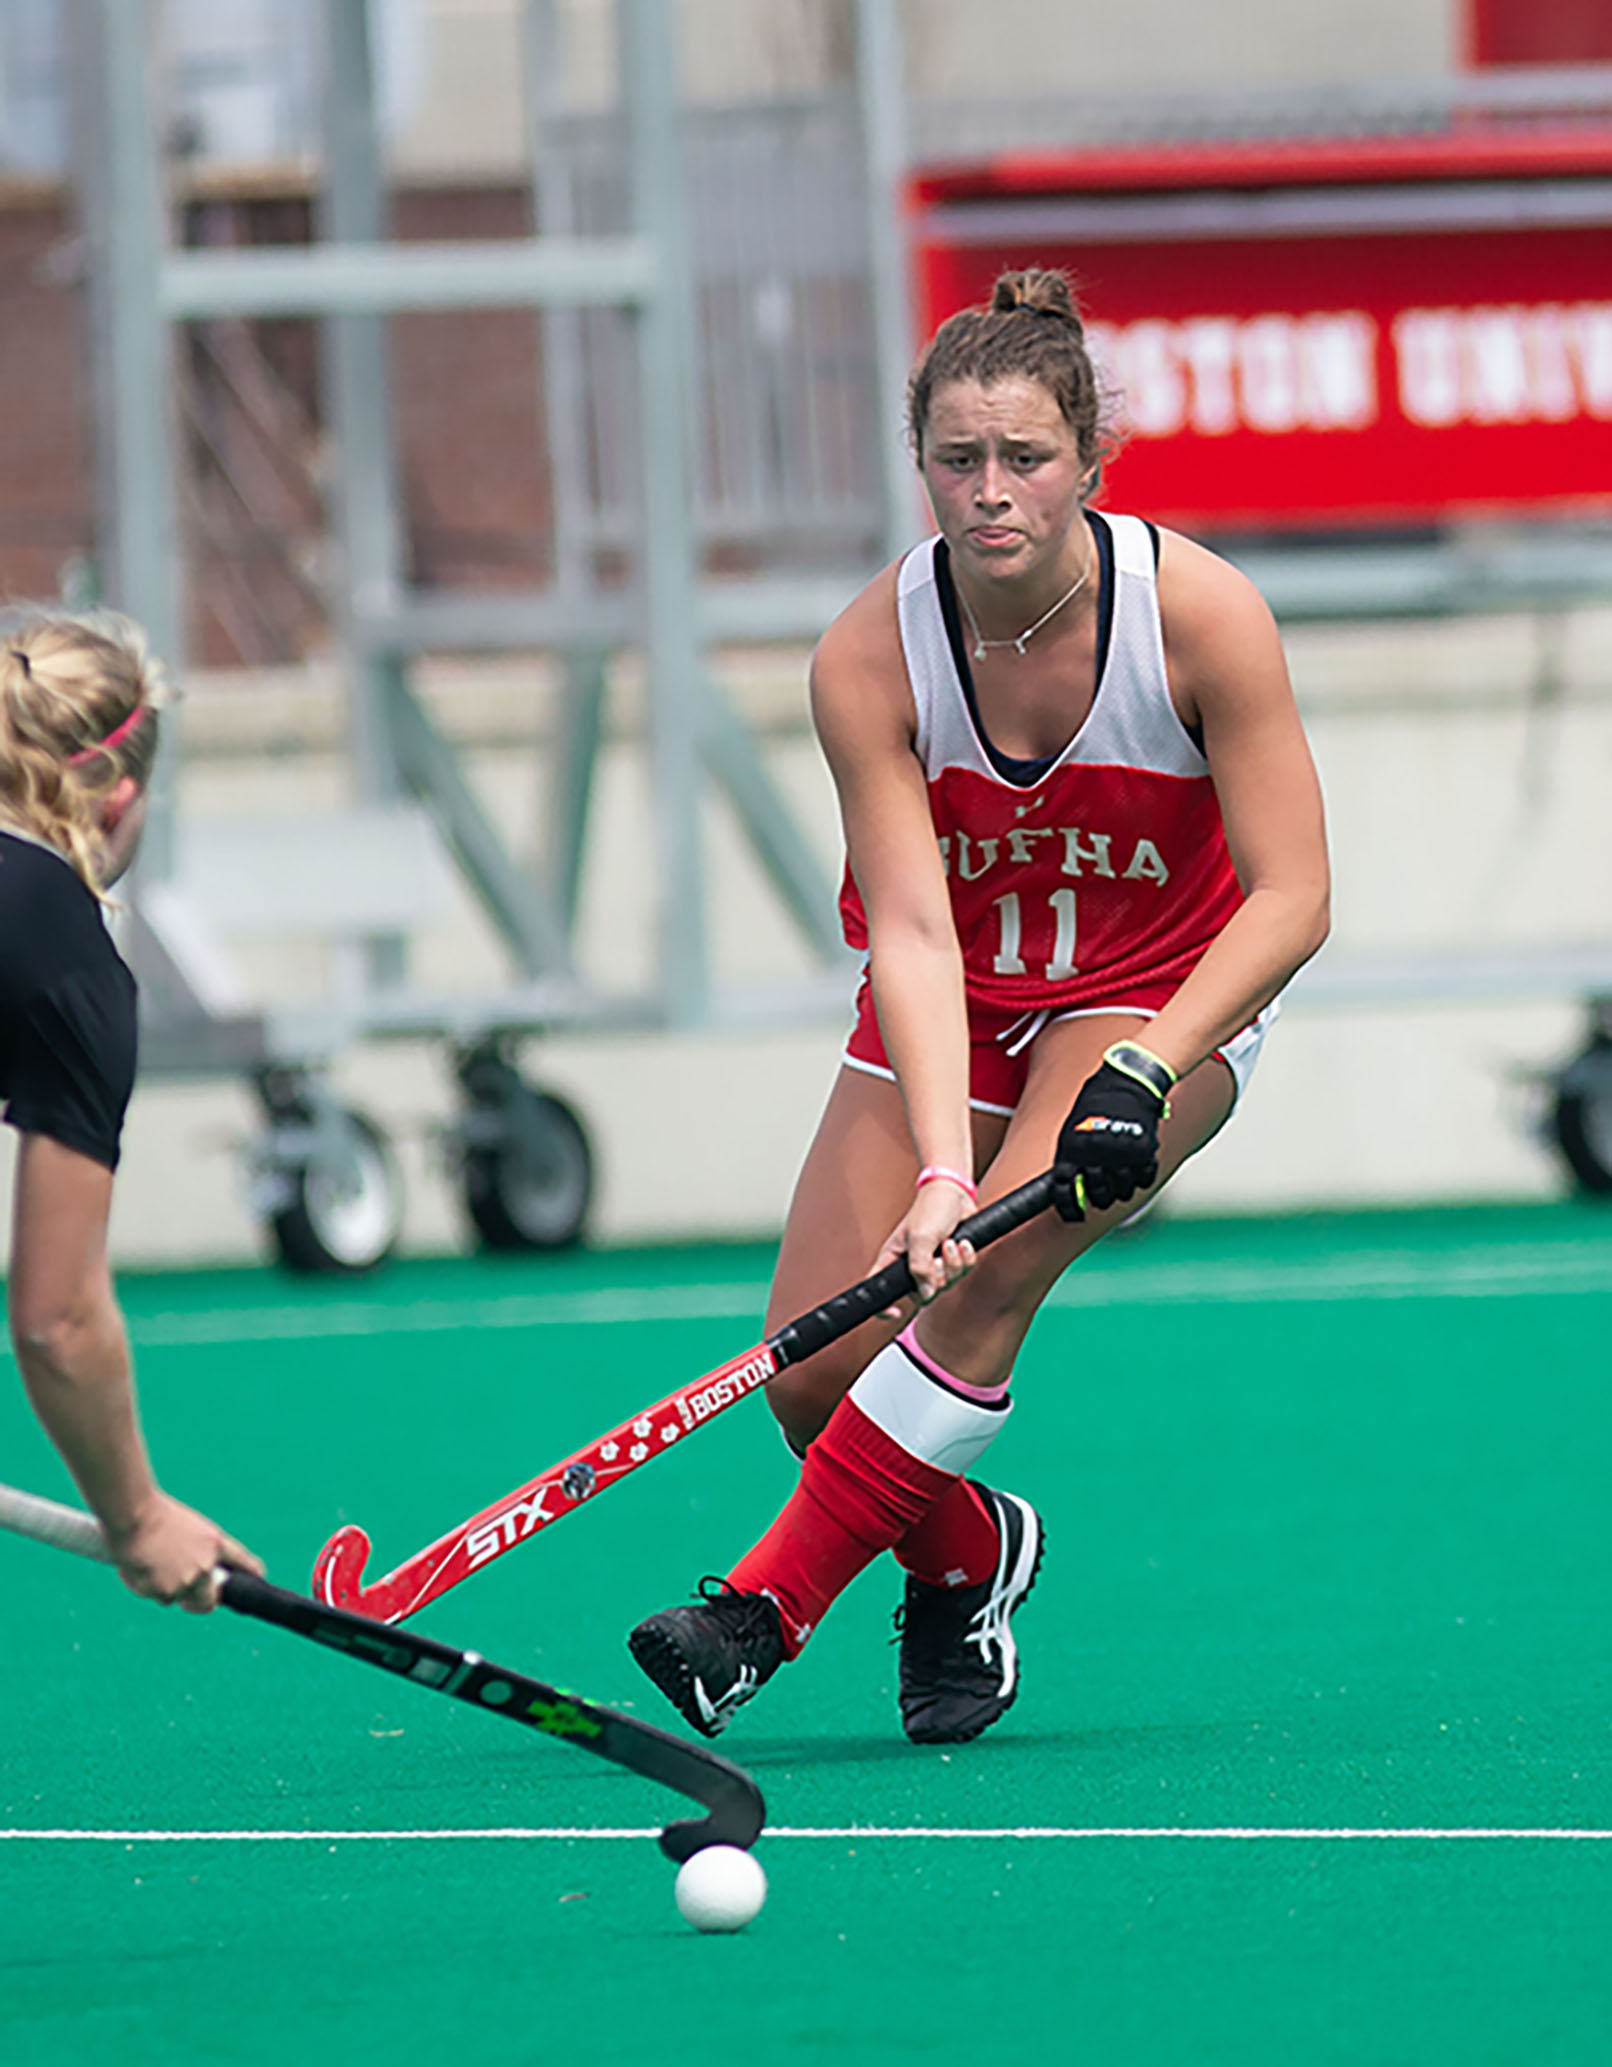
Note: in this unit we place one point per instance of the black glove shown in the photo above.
(1108, 1148)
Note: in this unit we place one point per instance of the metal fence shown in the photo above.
(786, 434)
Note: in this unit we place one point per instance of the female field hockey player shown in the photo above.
(78, 736)
(1086, 852)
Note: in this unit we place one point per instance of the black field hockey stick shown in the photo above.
(734, 1808)
(338, 1572)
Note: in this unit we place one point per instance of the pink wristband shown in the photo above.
(936, 1173)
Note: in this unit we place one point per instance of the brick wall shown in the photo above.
(47, 494)
(474, 486)
(474, 502)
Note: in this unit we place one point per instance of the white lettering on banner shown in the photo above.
(1271, 373)
(1542, 364)
(1593, 336)
(1275, 373)
(1338, 366)
(1553, 384)
(1429, 347)
(1209, 347)
(1142, 362)
(1268, 374)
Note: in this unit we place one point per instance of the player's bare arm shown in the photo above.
(1228, 675)
(73, 1353)
(80, 698)
(863, 711)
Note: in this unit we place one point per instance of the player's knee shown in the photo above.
(802, 1398)
(799, 1413)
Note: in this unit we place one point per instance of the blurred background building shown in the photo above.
(486, 781)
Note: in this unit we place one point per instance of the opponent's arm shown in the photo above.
(1228, 674)
(862, 708)
(73, 1352)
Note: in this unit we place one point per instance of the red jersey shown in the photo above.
(1095, 879)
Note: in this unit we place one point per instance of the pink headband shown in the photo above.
(113, 739)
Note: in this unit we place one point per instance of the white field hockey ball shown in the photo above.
(720, 1889)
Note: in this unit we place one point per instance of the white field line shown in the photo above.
(1017, 1833)
(1526, 1272)
(449, 1316)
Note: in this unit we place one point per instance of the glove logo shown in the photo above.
(1100, 1123)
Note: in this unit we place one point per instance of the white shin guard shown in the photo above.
(936, 1426)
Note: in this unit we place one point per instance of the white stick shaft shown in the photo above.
(47, 1521)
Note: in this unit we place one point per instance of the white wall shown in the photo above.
(464, 108)
(1015, 48)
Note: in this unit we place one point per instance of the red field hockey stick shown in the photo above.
(339, 1570)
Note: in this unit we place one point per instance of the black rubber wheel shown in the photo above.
(1581, 1121)
(532, 1188)
(345, 1221)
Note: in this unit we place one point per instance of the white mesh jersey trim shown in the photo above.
(1132, 724)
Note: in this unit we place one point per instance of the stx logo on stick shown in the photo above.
(507, 1528)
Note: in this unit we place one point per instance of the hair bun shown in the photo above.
(1039, 289)
(987, 343)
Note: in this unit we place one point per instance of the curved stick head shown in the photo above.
(737, 1816)
(338, 1571)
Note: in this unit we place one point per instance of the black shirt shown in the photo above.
(68, 1025)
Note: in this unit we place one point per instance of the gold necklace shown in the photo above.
(982, 645)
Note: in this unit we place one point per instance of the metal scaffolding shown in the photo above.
(323, 1175)
(352, 279)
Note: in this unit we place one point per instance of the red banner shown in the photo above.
(1322, 355)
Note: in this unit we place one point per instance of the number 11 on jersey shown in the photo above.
(1009, 961)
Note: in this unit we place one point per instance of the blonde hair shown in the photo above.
(1032, 326)
(79, 697)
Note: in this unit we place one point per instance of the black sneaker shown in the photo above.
(959, 1663)
(709, 1658)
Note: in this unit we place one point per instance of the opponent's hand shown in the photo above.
(1108, 1148)
(171, 1554)
(924, 1237)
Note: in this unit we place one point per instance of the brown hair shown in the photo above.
(1031, 326)
(79, 697)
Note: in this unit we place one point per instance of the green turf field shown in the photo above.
(1311, 1764)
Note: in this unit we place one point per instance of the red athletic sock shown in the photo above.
(898, 1442)
(859, 1492)
(955, 1543)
